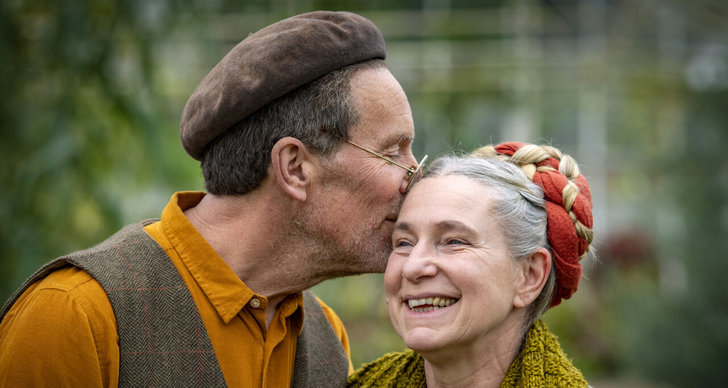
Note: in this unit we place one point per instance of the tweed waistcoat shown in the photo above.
(162, 339)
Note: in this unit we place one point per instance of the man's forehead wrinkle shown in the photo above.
(393, 138)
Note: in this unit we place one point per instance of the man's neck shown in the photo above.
(251, 234)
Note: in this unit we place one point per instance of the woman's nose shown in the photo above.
(420, 264)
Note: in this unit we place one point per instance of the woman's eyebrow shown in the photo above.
(402, 226)
(454, 225)
(440, 226)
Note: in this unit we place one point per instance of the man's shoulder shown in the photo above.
(71, 279)
(64, 310)
(68, 297)
(69, 285)
(131, 234)
(328, 311)
(67, 279)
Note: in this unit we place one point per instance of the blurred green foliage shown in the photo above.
(636, 91)
(86, 132)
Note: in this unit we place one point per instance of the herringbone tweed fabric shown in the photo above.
(320, 358)
(162, 340)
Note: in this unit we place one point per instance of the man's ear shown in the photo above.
(536, 269)
(292, 165)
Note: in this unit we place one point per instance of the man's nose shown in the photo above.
(410, 180)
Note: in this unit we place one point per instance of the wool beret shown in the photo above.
(272, 62)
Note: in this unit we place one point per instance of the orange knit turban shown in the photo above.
(568, 207)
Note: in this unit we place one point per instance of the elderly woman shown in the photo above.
(481, 249)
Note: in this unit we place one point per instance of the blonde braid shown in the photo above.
(528, 158)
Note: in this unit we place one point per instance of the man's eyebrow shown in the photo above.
(398, 138)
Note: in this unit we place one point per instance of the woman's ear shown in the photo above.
(536, 269)
(292, 166)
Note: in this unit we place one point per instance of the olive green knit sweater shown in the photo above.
(541, 363)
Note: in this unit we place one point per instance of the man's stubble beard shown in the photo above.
(335, 253)
(356, 248)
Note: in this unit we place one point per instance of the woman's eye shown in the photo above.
(454, 241)
(402, 243)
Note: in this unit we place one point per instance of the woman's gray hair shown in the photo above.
(519, 207)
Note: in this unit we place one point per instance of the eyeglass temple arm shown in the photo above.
(410, 169)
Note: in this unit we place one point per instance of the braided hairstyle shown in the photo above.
(568, 206)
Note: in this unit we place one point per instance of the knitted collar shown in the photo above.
(541, 363)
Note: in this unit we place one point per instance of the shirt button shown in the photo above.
(254, 303)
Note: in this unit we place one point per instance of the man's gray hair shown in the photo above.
(319, 114)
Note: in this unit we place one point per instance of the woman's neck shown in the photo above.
(469, 373)
(480, 364)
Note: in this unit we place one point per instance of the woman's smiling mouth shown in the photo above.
(431, 303)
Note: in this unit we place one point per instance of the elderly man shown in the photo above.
(304, 139)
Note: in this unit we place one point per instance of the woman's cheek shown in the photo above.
(393, 275)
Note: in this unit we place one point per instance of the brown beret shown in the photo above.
(272, 62)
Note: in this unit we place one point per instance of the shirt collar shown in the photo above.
(226, 292)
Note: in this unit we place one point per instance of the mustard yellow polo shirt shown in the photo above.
(62, 330)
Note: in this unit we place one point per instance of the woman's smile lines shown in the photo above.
(428, 304)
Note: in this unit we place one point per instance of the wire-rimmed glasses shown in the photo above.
(412, 172)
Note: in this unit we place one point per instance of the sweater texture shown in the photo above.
(541, 363)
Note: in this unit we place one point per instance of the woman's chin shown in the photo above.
(423, 340)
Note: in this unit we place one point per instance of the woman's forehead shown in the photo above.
(451, 198)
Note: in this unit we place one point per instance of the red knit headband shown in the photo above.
(569, 214)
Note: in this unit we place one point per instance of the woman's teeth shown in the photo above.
(429, 304)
